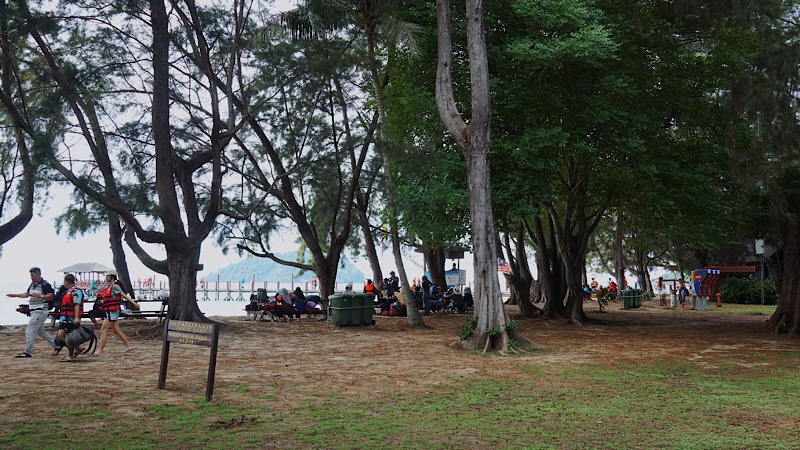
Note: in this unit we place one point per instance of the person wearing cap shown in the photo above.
(111, 298)
(38, 294)
(394, 283)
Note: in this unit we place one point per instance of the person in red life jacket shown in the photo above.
(612, 287)
(111, 298)
(71, 311)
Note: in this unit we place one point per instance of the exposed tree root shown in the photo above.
(506, 343)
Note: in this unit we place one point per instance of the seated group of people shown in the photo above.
(453, 300)
(286, 305)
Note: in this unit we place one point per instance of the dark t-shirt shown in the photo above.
(394, 285)
(426, 288)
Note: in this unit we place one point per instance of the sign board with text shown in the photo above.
(192, 333)
(455, 277)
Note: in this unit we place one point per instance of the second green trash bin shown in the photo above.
(631, 298)
(349, 310)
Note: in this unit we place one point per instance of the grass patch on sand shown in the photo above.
(664, 404)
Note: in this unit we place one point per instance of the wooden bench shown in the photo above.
(161, 313)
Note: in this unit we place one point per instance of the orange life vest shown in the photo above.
(68, 305)
(370, 289)
(110, 302)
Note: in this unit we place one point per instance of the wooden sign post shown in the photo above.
(194, 333)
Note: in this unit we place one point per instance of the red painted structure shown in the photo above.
(706, 282)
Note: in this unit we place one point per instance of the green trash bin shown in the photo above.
(351, 310)
(366, 305)
(631, 298)
(341, 310)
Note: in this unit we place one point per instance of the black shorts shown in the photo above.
(66, 326)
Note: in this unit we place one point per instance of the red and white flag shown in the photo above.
(502, 266)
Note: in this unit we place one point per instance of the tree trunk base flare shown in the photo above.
(505, 343)
(182, 304)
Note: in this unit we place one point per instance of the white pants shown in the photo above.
(36, 326)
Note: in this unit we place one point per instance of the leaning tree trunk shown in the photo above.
(787, 315)
(414, 317)
(619, 263)
(115, 235)
(369, 242)
(493, 330)
(16, 224)
(641, 270)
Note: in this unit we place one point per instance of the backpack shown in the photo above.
(57, 297)
(81, 335)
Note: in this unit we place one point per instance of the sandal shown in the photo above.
(66, 360)
(23, 355)
(56, 351)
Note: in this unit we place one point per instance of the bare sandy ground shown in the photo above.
(299, 358)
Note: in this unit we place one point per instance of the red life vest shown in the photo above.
(370, 289)
(110, 302)
(68, 305)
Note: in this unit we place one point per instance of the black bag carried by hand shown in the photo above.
(24, 309)
(81, 335)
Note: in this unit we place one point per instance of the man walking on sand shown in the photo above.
(38, 294)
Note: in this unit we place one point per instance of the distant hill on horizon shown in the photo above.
(268, 270)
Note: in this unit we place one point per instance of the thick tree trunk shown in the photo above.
(182, 265)
(786, 317)
(521, 279)
(115, 235)
(326, 279)
(550, 270)
(435, 260)
(493, 329)
(575, 311)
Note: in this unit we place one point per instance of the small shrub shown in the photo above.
(747, 291)
(468, 328)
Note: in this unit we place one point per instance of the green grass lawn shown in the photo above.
(664, 404)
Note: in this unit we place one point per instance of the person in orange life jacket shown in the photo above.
(39, 292)
(71, 311)
(370, 288)
(111, 298)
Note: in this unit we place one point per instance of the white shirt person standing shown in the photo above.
(38, 294)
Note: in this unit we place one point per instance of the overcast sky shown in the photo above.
(39, 245)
